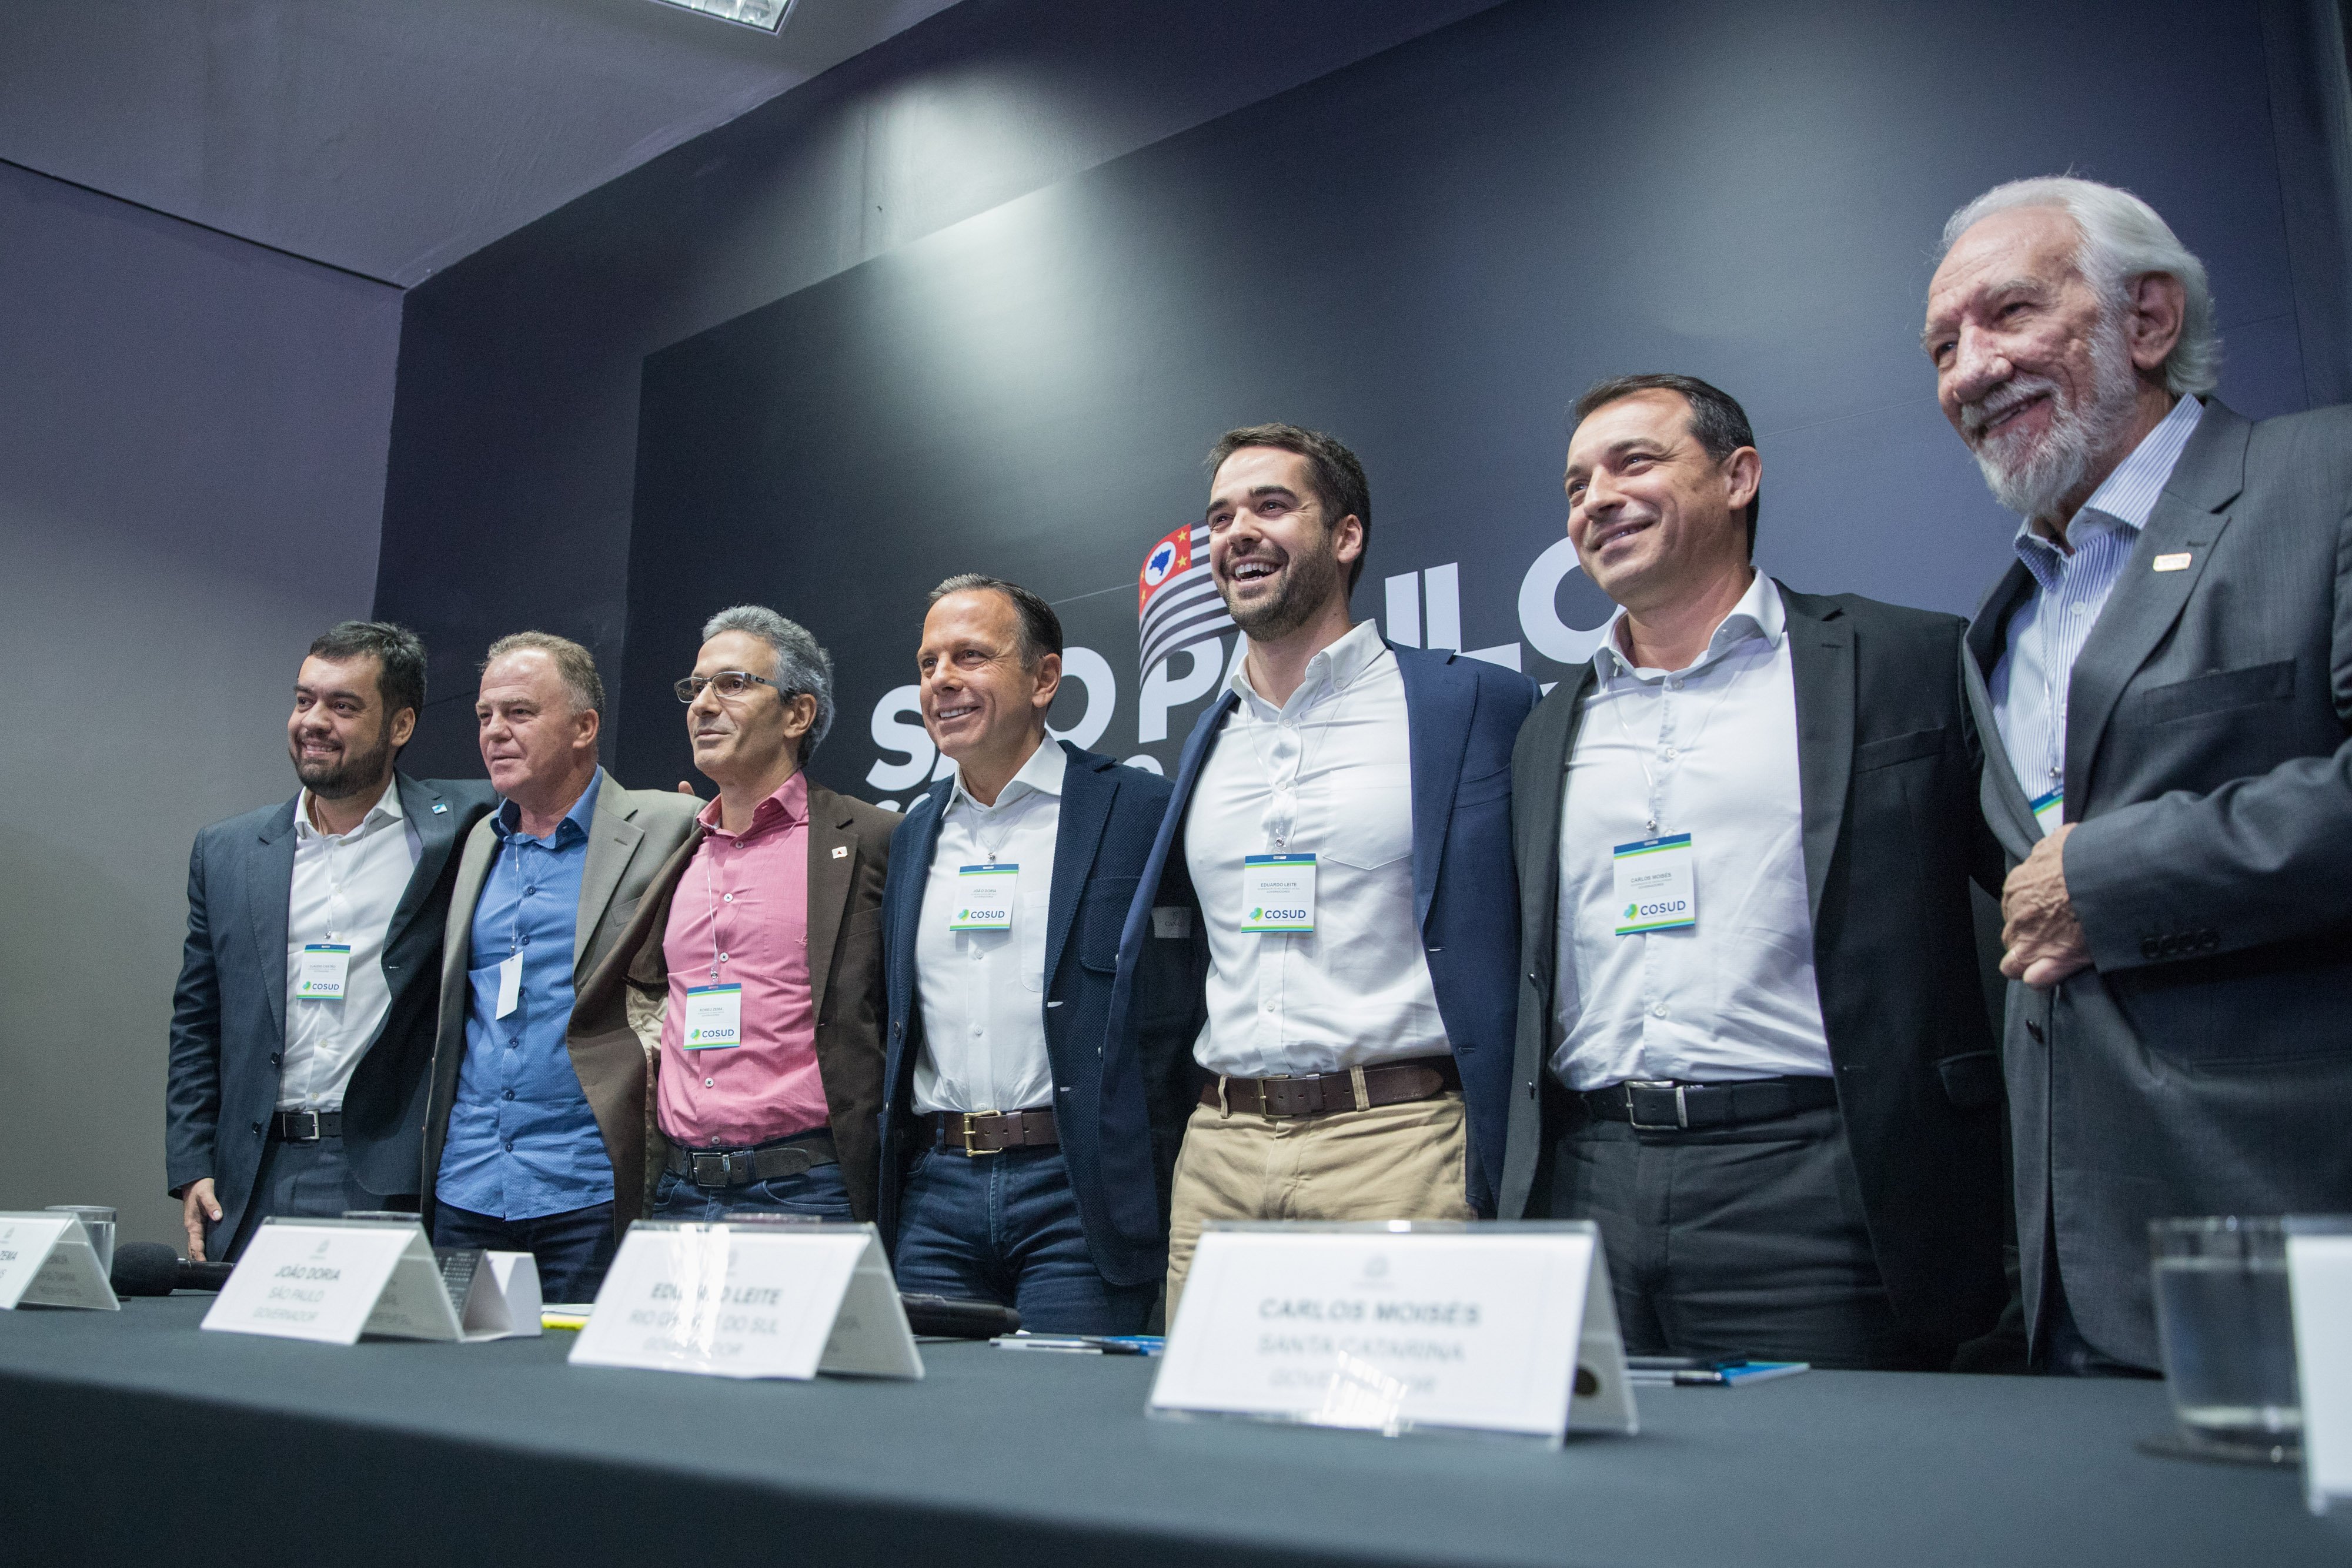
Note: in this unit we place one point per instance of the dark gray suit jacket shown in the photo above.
(1887, 782)
(228, 1013)
(2204, 1064)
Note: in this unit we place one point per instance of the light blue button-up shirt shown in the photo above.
(2030, 683)
(522, 1140)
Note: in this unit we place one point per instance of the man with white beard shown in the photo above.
(2163, 684)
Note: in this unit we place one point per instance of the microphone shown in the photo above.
(152, 1269)
(951, 1319)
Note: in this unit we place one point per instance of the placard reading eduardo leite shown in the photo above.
(1389, 1327)
(751, 1300)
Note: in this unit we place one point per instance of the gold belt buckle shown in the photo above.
(969, 1118)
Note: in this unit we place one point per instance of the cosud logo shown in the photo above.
(1631, 910)
(1652, 911)
(963, 915)
(1257, 914)
(1274, 914)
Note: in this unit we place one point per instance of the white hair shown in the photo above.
(2123, 241)
(802, 668)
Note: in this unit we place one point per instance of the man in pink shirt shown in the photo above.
(753, 969)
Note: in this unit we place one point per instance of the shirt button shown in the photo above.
(1672, 754)
(509, 1094)
(531, 889)
(1674, 683)
(722, 957)
(509, 1145)
(711, 1083)
(1659, 1010)
(976, 1031)
(1269, 1007)
(726, 898)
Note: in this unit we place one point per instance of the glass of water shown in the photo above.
(98, 1221)
(2228, 1331)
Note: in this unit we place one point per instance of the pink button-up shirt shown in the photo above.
(739, 916)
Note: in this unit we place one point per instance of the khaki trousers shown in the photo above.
(1391, 1162)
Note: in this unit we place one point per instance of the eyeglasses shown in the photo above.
(729, 685)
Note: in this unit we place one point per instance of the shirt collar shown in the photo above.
(1759, 613)
(2128, 495)
(385, 810)
(786, 806)
(507, 822)
(1041, 775)
(1338, 665)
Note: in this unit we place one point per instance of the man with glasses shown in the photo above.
(752, 972)
(522, 1143)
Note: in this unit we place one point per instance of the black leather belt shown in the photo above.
(795, 1156)
(1669, 1105)
(974, 1132)
(306, 1127)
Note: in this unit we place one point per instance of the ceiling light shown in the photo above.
(767, 15)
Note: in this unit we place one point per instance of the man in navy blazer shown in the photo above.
(302, 1025)
(1341, 823)
(1025, 1143)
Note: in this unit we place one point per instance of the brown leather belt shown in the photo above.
(795, 1156)
(991, 1132)
(1314, 1093)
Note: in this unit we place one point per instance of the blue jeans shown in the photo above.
(573, 1249)
(1004, 1229)
(819, 1193)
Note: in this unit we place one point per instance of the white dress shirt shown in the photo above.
(2050, 624)
(345, 888)
(1711, 751)
(984, 992)
(1327, 773)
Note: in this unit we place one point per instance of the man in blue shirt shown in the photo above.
(517, 1157)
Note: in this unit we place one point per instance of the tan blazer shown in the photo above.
(630, 836)
(616, 1020)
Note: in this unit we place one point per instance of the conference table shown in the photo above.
(138, 1437)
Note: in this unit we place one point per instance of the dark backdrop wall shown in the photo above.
(1431, 253)
(192, 446)
(513, 457)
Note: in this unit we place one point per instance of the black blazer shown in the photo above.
(1888, 776)
(228, 1012)
(1120, 1097)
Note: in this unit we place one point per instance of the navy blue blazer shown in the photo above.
(1462, 716)
(228, 1013)
(1120, 1097)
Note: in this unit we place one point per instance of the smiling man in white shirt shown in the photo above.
(1342, 814)
(1753, 1039)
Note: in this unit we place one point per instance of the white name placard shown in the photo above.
(1396, 1326)
(746, 1299)
(47, 1260)
(333, 1281)
(2319, 1280)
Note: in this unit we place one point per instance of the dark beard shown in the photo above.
(342, 780)
(1307, 583)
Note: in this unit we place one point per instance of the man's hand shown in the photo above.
(2043, 942)
(197, 1206)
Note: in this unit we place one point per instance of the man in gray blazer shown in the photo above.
(303, 1019)
(516, 1155)
(2163, 682)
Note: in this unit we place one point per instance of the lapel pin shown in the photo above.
(441, 808)
(2173, 562)
(841, 851)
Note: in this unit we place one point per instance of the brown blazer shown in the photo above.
(616, 1035)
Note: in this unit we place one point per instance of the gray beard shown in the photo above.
(2080, 434)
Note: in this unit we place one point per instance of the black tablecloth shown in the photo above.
(135, 1436)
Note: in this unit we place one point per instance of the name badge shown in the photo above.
(510, 984)
(2050, 810)
(332, 1280)
(325, 970)
(1392, 1326)
(1278, 894)
(984, 897)
(748, 1300)
(714, 1017)
(1657, 885)
(47, 1260)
